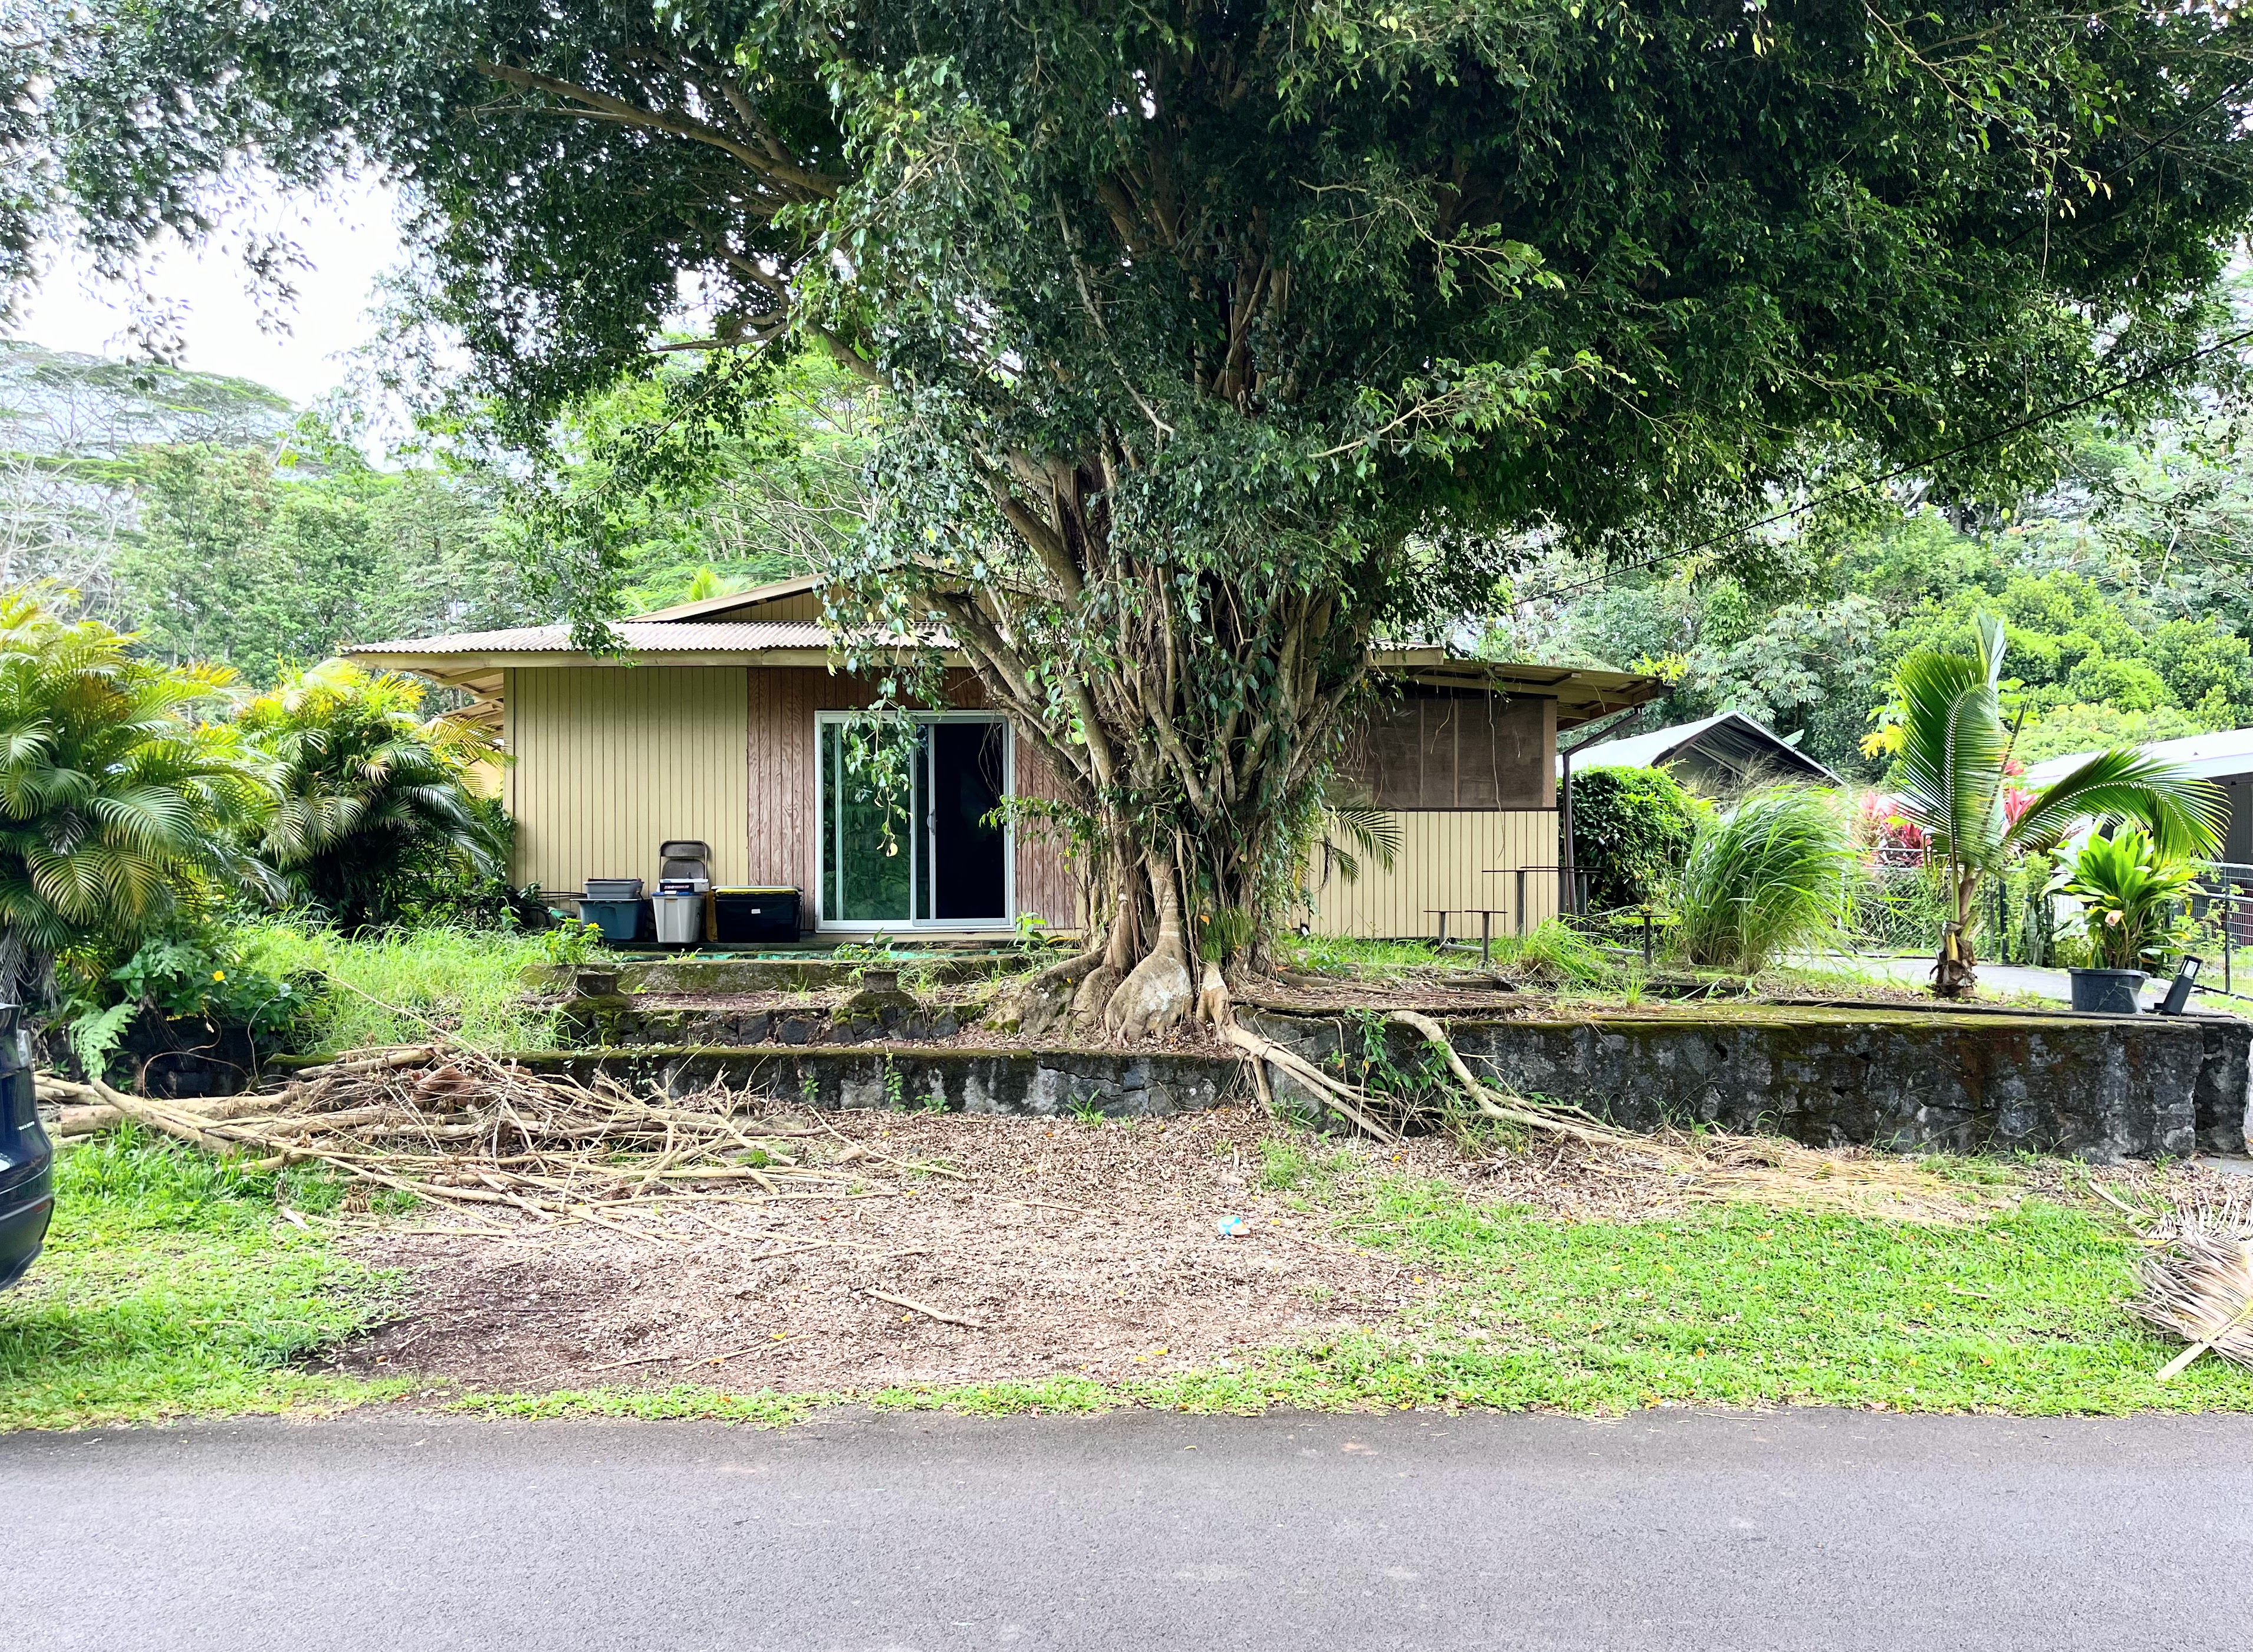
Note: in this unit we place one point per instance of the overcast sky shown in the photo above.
(347, 236)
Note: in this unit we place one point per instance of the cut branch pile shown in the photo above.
(2198, 1280)
(466, 1133)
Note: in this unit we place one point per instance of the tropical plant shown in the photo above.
(119, 810)
(376, 815)
(1631, 830)
(2132, 897)
(196, 969)
(1767, 878)
(1216, 342)
(1951, 779)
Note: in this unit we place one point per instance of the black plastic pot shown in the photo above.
(2109, 992)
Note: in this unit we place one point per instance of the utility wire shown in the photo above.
(1923, 462)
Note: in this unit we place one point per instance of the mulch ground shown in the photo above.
(1074, 1248)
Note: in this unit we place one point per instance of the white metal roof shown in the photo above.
(2209, 756)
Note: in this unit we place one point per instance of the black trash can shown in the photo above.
(764, 914)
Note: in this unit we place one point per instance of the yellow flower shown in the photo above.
(219, 975)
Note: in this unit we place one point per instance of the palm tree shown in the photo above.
(375, 807)
(119, 807)
(1952, 757)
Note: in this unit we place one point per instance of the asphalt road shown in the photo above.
(1665, 1530)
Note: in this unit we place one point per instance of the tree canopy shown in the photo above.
(1220, 340)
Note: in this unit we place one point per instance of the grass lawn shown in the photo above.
(172, 1288)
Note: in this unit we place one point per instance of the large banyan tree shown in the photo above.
(1219, 337)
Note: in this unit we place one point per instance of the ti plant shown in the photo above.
(2131, 895)
(1950, 774)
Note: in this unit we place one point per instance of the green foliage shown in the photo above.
(198, 972)
(2106, 648)
(571, 941)
(393, 987)
(1765, 879)
(1631, 830)
(1225, 933)
(376, 813)
(1948, 776)
(169, 1288)
(1217, 345)
(2132, 899)
(267, 566)
(1555, 954)
(119, 811)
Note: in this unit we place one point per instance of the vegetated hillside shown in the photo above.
(220, 523)
(205, 512)
(2122, 592)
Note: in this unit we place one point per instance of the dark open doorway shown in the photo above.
(969, 869)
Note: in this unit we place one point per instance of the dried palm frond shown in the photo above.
(2198, 1279)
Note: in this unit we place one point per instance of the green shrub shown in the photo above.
(2131, 899)
(119, 804)
(376, 819)
(1769, 878)
(1631, 830)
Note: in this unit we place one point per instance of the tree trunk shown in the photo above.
(1954, 972)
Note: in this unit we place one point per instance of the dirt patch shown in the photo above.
(1076, 1248)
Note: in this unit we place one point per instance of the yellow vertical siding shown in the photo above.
(1445, 860)
(610, 761)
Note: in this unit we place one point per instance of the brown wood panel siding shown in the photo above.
(611, 761)
(1445, 860)
(1045, 881)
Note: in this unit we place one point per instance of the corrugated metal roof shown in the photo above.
(1731, 738)
(666, 637)
(2210, 756)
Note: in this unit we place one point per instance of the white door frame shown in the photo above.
(824, 923)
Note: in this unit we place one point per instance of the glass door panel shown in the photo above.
(868, 839)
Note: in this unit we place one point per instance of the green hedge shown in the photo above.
(1631, 832)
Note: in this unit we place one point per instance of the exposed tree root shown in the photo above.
(1157, 992)
(1034, 1003)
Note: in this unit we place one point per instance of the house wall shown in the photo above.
(784, 807)
(1445, 859)
(611, 761)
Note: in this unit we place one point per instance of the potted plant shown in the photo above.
(2131, 896)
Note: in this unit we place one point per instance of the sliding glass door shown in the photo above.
(909, 842)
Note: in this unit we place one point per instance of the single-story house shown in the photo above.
(2225, 758)
(1723, 753)
(725, 723)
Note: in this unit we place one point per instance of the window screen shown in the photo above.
(1435, 749)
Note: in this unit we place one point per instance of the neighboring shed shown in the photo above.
(2225, 758)
(724, 721)
(1725, 752)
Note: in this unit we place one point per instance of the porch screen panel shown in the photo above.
(1443, 748)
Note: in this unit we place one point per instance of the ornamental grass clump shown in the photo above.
(1767, 878)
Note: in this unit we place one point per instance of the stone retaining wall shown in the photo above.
(2097, 1087)
(1037, 1084)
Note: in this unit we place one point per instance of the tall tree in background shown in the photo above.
(266, 568)
(1219, 340)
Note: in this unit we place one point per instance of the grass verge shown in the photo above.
(171, 1288)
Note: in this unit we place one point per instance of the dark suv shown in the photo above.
(27, 1187)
